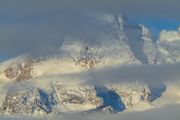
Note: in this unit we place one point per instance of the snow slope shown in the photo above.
(40, 85)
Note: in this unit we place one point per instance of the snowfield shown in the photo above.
(123, 74)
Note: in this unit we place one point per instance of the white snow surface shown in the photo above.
(66, 80)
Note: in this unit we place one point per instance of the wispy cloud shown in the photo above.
(143, 74)
(149, 74)
(26, 24)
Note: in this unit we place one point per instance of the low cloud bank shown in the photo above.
(169, 112)
(150, 74)
(145, 74)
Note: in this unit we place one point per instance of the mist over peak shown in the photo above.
(89, 59)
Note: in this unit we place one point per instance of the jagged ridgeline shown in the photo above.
(40, 84)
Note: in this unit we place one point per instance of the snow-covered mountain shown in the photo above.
(168, 47)
(39, 84)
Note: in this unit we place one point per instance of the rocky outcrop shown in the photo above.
(115, 48)
(20, 71)
(132, 94)
(88, 58)
(59, 99)
(122, 44)
(71, 96)
(29, 102)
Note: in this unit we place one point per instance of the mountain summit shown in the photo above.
(55, 81)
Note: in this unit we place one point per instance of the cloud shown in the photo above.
(164, 113)
(168, 112)
(139, 7)
(157, 75)
(26, 25)
(22, 36)
(149, 74)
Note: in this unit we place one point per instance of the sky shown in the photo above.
(24, 24)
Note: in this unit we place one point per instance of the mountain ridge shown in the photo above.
(126, 45)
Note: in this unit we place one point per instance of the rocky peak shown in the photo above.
(146, 34)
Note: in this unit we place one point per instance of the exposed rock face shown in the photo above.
(132, 94)
(124, 44)
(77, 97)
(108, 109)
(59, 99)
(19, 71)
(88, 58)
(115, 48)
(29, 102)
